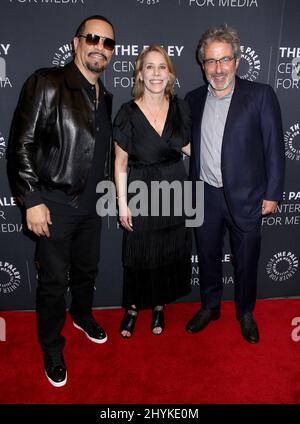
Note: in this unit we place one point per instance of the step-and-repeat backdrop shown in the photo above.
(38, 33)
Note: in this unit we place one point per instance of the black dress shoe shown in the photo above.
(55, 369)
(92, 329)
(249, 328)
(202, 319)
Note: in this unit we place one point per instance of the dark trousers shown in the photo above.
(68, 258)
(245, 248)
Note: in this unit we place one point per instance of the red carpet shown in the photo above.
(215, 366)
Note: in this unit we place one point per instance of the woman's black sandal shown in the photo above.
(158, 319)
(128, 322)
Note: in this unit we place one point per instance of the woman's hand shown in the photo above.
(187, 149)
(125, 216)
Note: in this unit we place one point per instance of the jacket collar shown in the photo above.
(72, 77)
(74, 82)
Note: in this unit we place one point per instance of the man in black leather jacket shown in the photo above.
(61, 137)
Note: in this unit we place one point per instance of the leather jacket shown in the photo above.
(53, 135)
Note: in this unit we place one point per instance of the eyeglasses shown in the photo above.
(93, 40)
(223, 61)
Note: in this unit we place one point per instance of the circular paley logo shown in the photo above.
(292, 142)
(9, 278)
(282, 266)
(250, 66)
(2, 146)
(63, 55)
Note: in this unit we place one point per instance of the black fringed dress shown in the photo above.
(157, 253)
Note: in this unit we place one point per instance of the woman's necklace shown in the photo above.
(154, 116)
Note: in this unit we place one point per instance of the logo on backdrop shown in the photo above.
(195, 271)
(123, 63)
(250, 66)
(61, 2)
(4, 79)
(63, 55)
(5, 216)
(228, 280)
(2, 146)
(8, 201)
(148, 2)
(288, 68)
(9, 278)
(282, 266)
(292, 142)
(220, 3)
(287, 212)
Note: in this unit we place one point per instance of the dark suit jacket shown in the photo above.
(252, 158)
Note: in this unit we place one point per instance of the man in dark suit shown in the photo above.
(238, 151)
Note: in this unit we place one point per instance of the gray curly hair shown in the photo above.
(224, 34)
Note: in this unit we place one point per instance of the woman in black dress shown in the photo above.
(150, 133)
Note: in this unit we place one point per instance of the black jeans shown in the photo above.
(68, 258)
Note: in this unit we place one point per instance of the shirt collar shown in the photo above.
(86, 84)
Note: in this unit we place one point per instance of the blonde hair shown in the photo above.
(138, 87)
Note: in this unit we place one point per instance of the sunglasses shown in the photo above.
(93, 40)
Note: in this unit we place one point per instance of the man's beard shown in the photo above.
(94, 67)
(97, 69)
(224, 87)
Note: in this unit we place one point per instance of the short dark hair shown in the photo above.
(99, 17)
